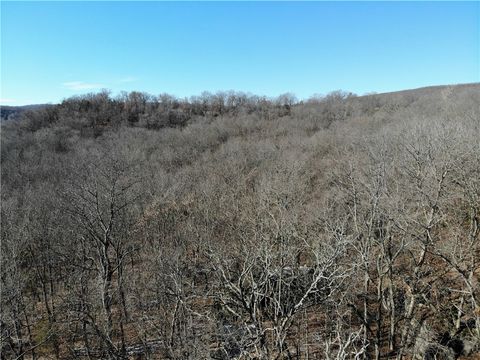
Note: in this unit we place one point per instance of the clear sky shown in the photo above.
(53, 50)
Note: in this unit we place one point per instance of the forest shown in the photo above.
(234, 226)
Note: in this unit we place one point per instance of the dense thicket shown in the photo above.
(235, 226)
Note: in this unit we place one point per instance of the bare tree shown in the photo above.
(99, 201)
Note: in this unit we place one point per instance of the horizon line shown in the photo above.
(11, 102)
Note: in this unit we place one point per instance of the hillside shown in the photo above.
(14, 112)
(230, 225)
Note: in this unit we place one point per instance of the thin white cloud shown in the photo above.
(128, 79)
(81, 85)
(7, 101)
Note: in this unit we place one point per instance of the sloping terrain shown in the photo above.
(235, 226)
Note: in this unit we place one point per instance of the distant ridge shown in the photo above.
(427, 89)
(8, 112)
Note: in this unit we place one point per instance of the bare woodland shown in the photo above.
(233, 226)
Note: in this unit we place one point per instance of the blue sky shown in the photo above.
(53, 50)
